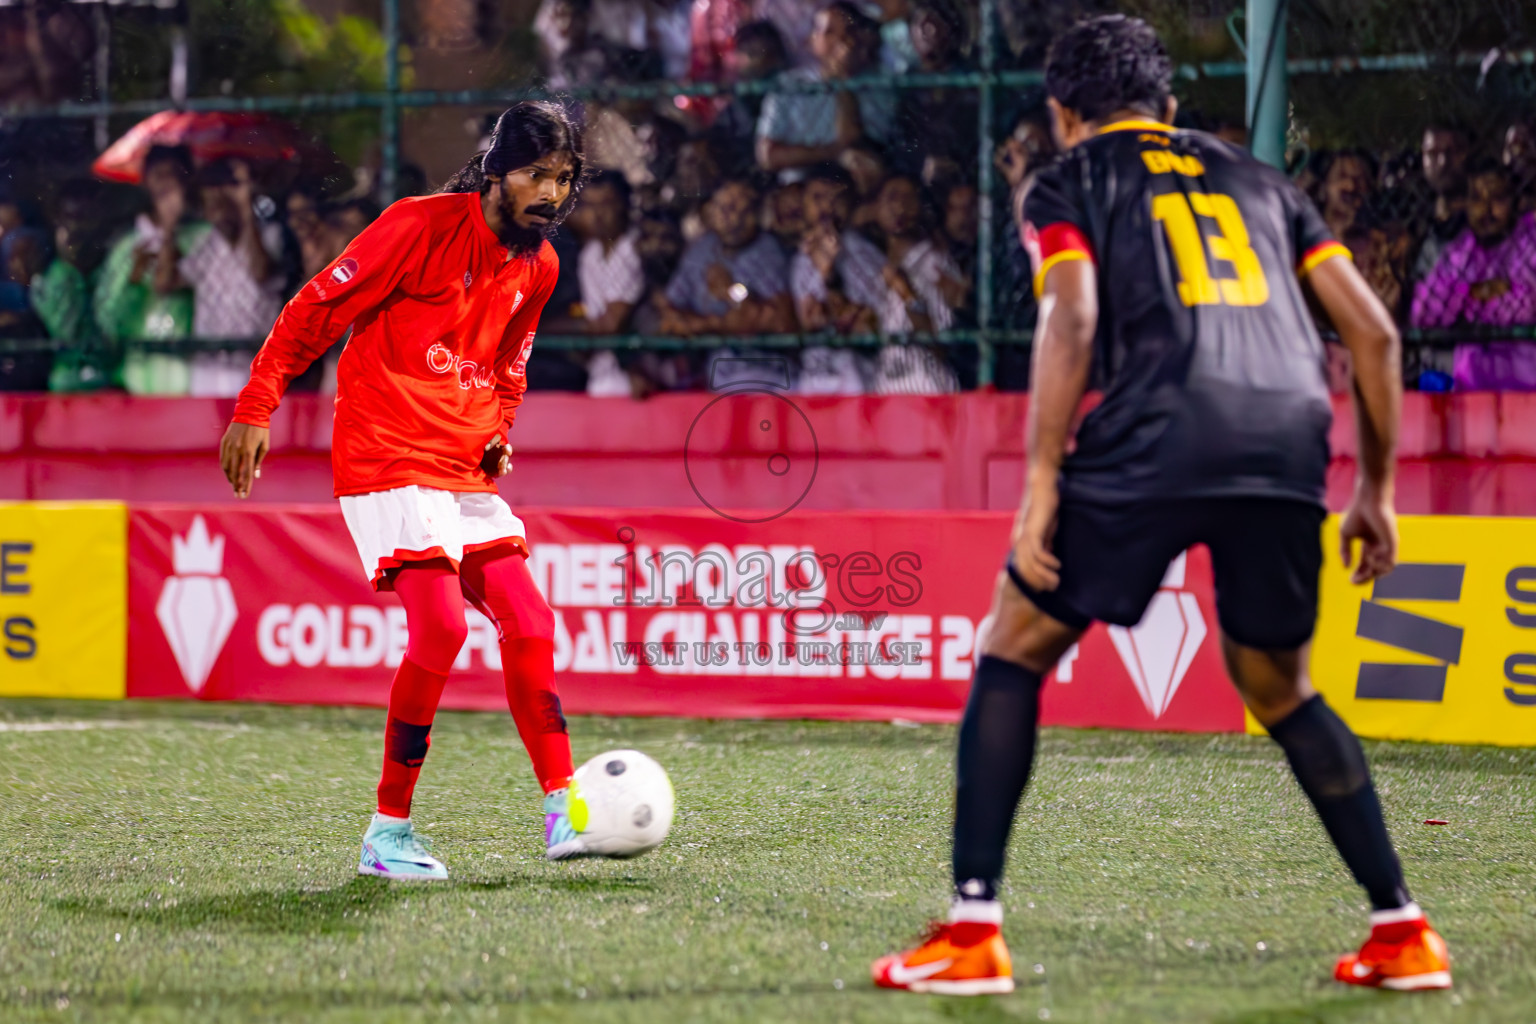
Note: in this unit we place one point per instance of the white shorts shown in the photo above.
(412, 524)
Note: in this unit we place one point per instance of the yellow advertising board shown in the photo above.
(1443, 648)
(63, 599)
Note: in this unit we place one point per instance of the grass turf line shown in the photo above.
(195, 862)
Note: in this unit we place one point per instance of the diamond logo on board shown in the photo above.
(1158, 650)
(197, 605)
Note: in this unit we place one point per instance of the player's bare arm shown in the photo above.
(1063, 357)
(1366, 329)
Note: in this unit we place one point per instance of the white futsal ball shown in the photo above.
(629, 803)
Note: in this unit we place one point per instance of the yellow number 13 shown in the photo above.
(1229, 243)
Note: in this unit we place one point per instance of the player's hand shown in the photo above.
(1033, 529)
(497, 460)
(1371, 521)
(240, 455)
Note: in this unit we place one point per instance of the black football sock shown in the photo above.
(997, 748)
(1330, 766)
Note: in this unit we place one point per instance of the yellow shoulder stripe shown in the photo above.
(1137, 125)
(1053, 259)
(1326, 251)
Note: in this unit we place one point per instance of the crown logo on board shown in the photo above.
(199, 554)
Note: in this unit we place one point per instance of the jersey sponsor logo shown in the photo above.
(519, 365)
(344, 271)
(1158, 650)
(469, 373)
(197, 605)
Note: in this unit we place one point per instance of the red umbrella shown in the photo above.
(259, 139)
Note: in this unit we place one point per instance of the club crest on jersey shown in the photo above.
(344, 271)
(469, 373)
(468, 279)
(517, 300)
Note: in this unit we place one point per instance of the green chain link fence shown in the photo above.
(1367, 76)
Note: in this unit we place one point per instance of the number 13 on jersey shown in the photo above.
(1227, 240)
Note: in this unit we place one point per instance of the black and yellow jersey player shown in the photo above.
(1174, 273)
(1205, 349)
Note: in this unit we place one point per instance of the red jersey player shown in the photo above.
(443, 294)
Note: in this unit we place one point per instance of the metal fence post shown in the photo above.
(389, 115)
(102, 71)
(1268, 92)
(984, 187)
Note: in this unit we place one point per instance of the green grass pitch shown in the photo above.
(196, 862)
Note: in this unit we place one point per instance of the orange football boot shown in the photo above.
(955, 959)
(1405, 956)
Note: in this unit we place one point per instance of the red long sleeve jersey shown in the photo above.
(442, 326)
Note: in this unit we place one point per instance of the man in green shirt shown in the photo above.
(61, 294)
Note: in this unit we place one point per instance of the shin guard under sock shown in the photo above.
(413, 699)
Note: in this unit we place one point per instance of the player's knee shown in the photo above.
(1019, 632)
(1273, 683)
(436, 639)
(1036, 649)
(533, 620)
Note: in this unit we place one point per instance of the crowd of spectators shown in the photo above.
(777, 208)
(1447, 240)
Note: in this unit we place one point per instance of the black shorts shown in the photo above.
(1266, 554)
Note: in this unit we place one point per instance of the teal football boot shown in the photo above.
(391, 850)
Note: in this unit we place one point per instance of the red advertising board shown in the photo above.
(870, 615)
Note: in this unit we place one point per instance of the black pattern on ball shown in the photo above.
(642, 816)
(615, 767)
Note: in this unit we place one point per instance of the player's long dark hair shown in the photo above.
(524, 133)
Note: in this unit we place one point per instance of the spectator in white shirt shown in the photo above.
(836, 276)
(235, 274)
(233, 270)
(916, 270)
(612, 280)
(917, 274)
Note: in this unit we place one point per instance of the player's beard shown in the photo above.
(524, 240)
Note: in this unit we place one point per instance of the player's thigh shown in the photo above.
(1018, 631)
(498, 582)
(1266, 556)
(1113, 558)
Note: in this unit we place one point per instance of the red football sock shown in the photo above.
(499, 582)
(528, 665)
(434, 611)
(412, 705)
